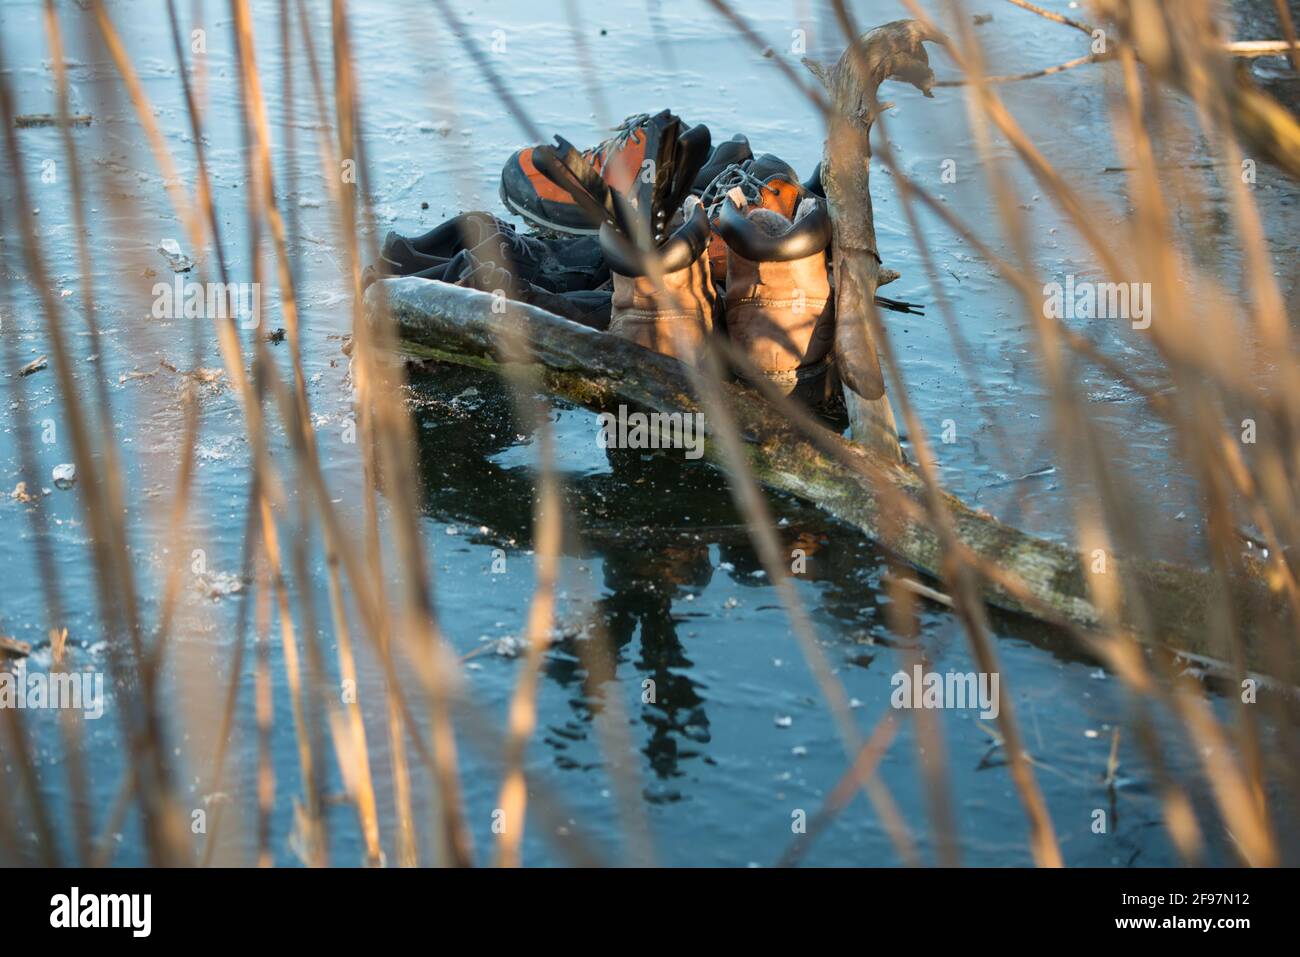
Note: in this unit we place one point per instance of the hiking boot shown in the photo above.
(401, 253)
(558, 265)
(665, 300)
(730, 152)
(408, 256)
(399, 257)
(656, 252)
(767, 181)
(778, 303)
(591, 308)
(647, 156)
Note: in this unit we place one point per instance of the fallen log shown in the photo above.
(598, 371)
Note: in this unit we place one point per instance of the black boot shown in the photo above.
(588, 307)
(447, 239)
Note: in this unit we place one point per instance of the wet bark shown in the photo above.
(892, 50)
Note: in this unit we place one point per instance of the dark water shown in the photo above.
(658, 580)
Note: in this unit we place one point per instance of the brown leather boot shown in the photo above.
(670, 313)
(779, 306)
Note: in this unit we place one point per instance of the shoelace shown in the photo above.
(732, 176)
(521, 251)
(622, 133)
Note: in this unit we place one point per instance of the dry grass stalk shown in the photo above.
(395, 605)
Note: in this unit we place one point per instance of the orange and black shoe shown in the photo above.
(654, 238)
(633, 164)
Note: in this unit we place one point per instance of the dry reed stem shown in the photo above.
(612, 736)
(263, 707)
(70, 723)
(1066, 401)
(862, 770)
(384, 417)
(1229, 794)
(365, 798)
(1035, 74)
(522, 719)
(101, 498)
(956, 572)
(1288, 31)
(1265, 493)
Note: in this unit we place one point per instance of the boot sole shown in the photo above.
(541, 220)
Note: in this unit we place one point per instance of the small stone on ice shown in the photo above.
(64, 475)
(177, 259)
(508, 646)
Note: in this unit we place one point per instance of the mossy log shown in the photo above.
(599, 371)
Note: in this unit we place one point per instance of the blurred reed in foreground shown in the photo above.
(1225, 355)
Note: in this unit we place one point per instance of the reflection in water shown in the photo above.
(653, 522)
(675, 565)
(659, 526)
(642, 584)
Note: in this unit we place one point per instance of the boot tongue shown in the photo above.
(763, 214)
(806, 206)
(650, 192)
(769, 221)
(781, 195)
